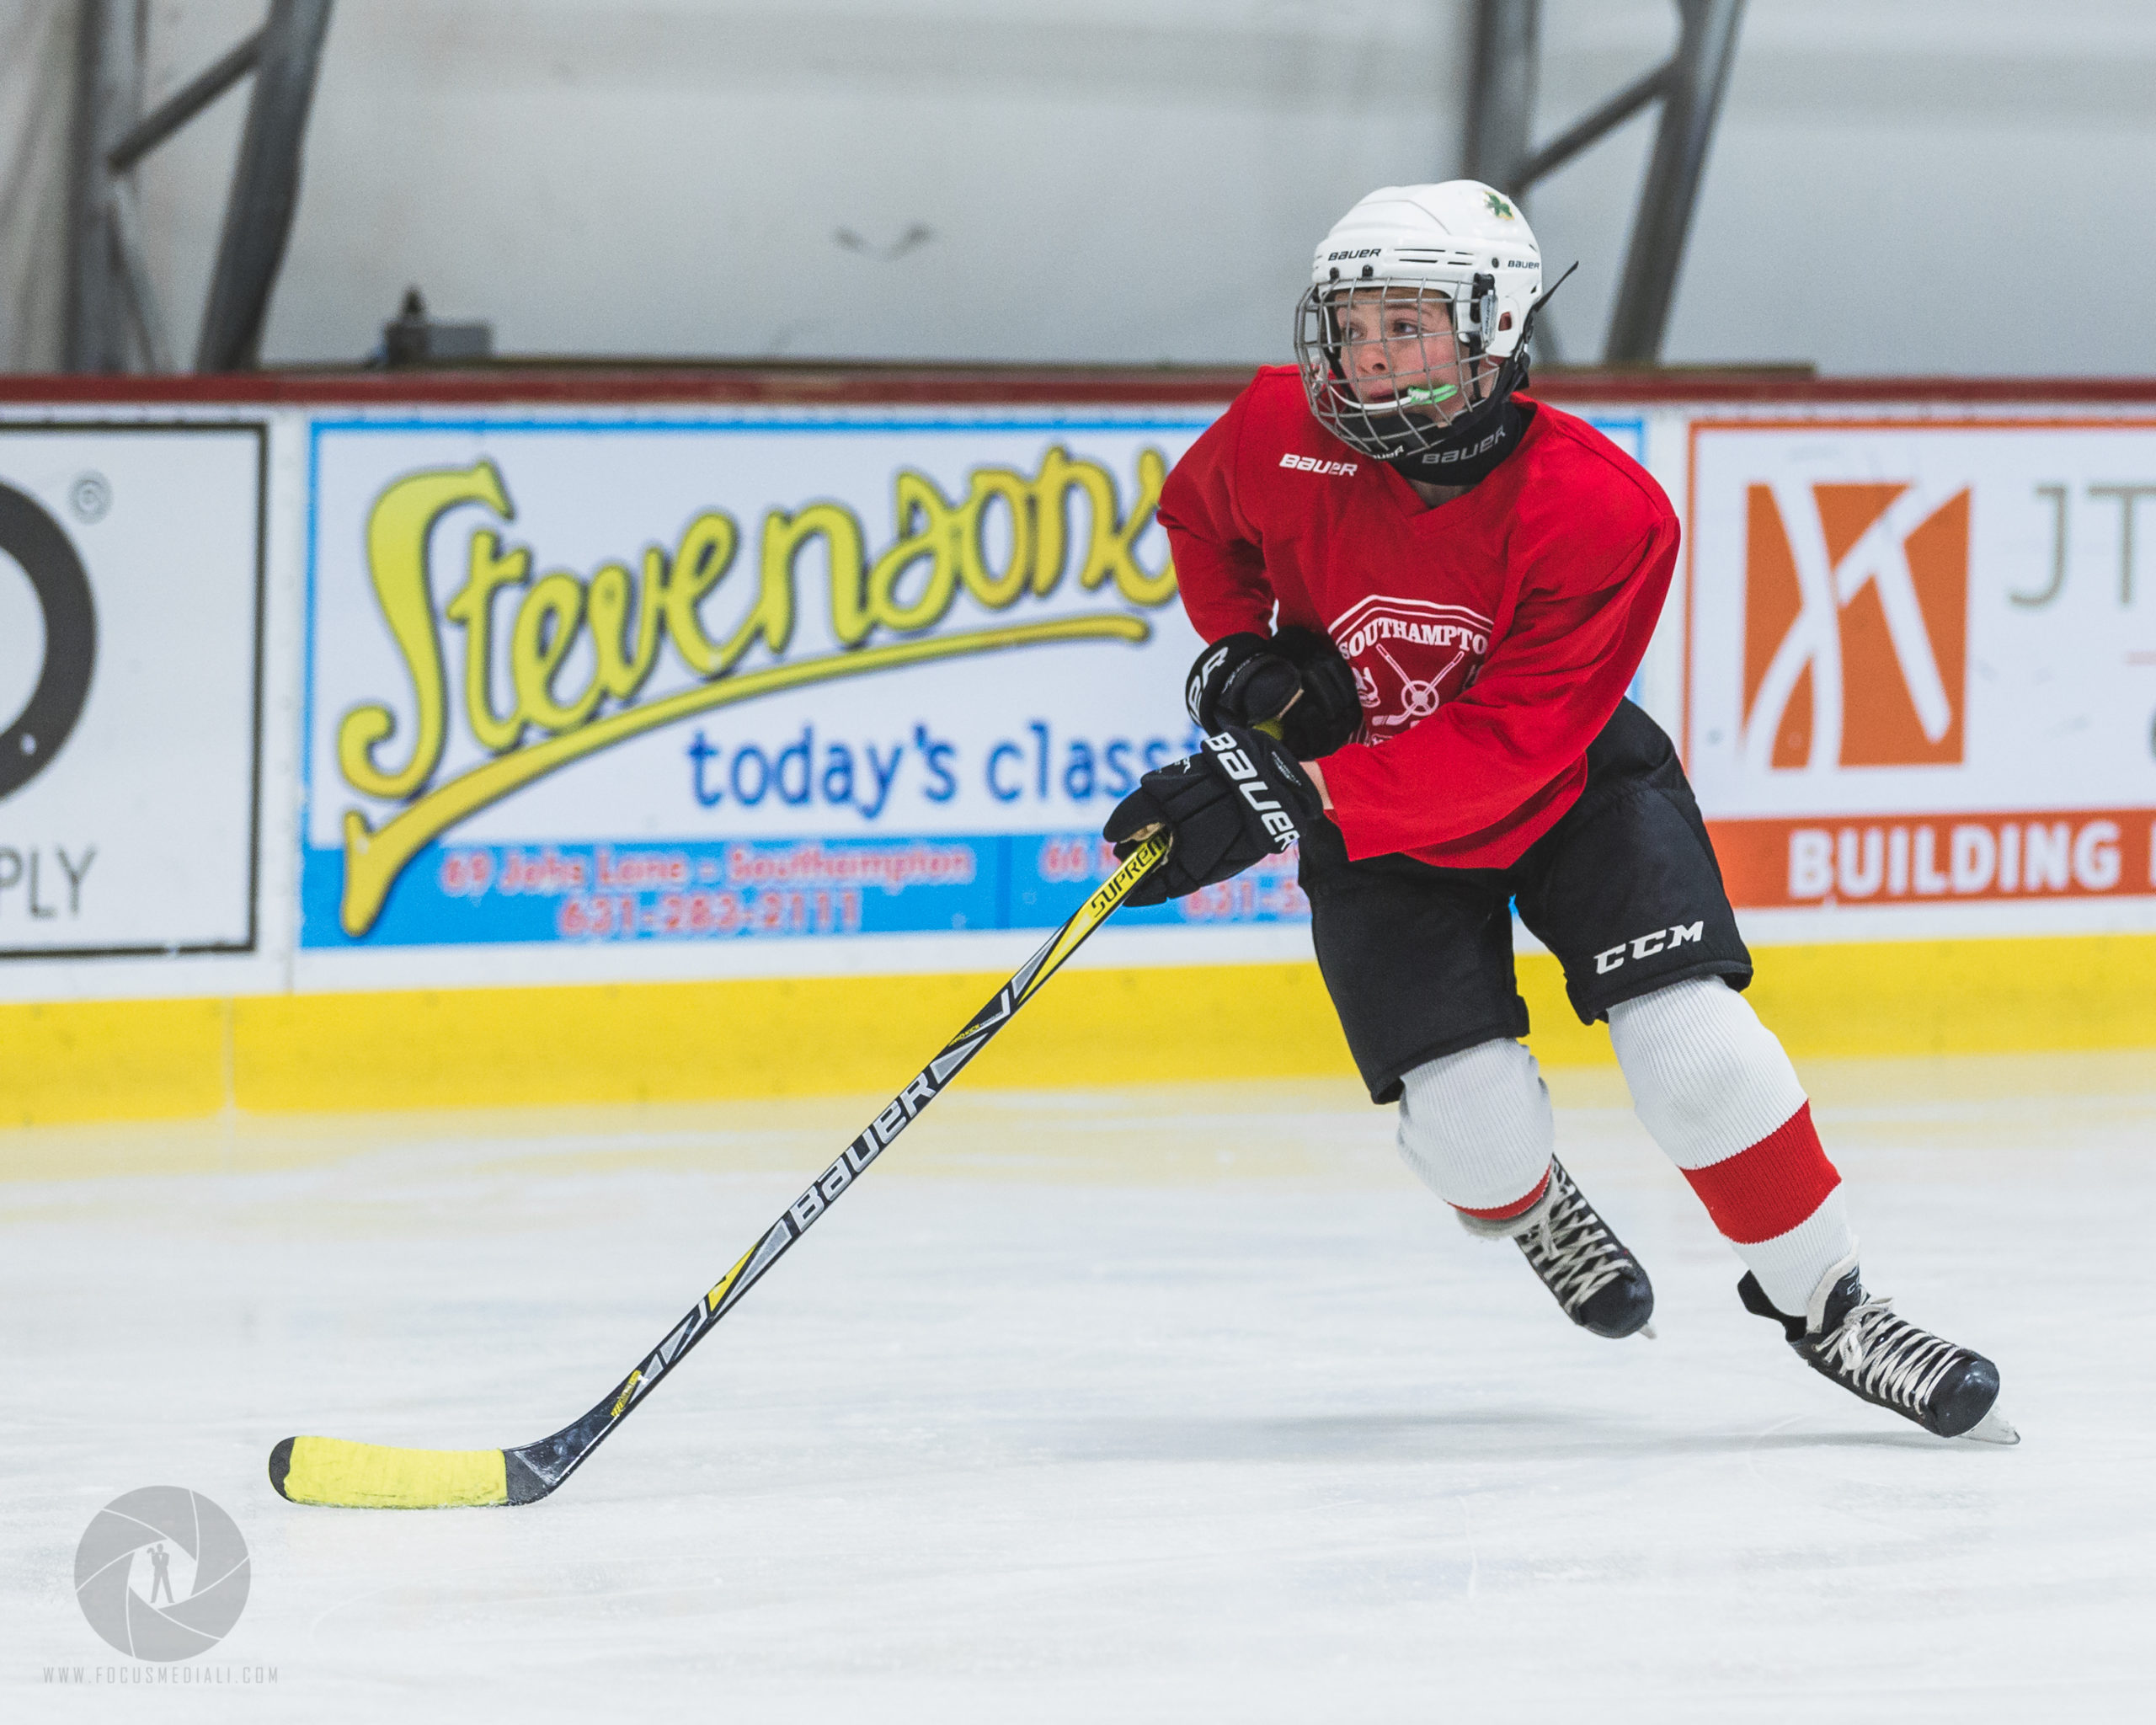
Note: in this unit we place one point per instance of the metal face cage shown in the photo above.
(1388, 367)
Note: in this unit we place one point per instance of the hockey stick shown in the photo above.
(372, 1477)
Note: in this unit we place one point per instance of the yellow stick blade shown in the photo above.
(375, 1477)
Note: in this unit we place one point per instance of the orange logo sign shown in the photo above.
(1856, 622)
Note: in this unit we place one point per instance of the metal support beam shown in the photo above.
(132, 255)
(1591, 130)
(1689, 85)
(265, 186)
(1699, 74)
(1501, 91)
(184, 104)
(108, 86)
(112, 304)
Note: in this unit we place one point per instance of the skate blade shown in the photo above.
(1993, 1429)
(1646, 1330)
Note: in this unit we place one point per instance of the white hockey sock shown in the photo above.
(1715, 1089)
(1476, 1127)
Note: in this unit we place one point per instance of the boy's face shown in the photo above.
(1398, 350)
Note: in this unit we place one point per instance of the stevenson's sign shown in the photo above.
(642, 681)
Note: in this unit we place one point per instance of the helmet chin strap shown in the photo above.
(1473, 445)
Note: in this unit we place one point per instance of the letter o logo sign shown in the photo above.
(37, 543)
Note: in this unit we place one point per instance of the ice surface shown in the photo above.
(1173, 1405)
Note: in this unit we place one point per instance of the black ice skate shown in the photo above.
(1855, 1338)
(1598, 1283)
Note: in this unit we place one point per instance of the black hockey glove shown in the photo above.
(1237, 801)
(1248, 679)
(1331, 711)
(1239, 680)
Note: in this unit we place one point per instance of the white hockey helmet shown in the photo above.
(1451, 276)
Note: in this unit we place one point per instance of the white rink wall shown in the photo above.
(1908, 657)
(316, 778)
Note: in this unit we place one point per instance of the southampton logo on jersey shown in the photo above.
(1410, 656)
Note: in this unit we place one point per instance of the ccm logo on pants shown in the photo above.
(1648, 945)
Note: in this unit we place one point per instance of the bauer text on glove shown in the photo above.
(1240, 799)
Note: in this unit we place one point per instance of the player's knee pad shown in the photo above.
(1707, 1077)
(1475, 1126)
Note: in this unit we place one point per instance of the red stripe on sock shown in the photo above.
(1505, 1212)
(1770, 1187)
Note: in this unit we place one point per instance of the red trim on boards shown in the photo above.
(866, 384)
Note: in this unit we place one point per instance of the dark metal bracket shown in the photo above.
(114, 319)
(1689, 85)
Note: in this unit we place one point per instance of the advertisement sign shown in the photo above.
(1921, 660)
(717, 680)
(634, 681)
(130, 652)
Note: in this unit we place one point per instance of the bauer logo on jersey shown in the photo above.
(1856, 618)
(1410, 656)
(1312, 464)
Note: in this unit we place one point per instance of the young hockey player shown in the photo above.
(1435, 592)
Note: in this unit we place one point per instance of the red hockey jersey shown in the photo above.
(1492, 637)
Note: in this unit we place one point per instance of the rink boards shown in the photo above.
(473, 751)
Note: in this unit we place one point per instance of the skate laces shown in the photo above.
(1571, 1250)
(1885, 1355)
